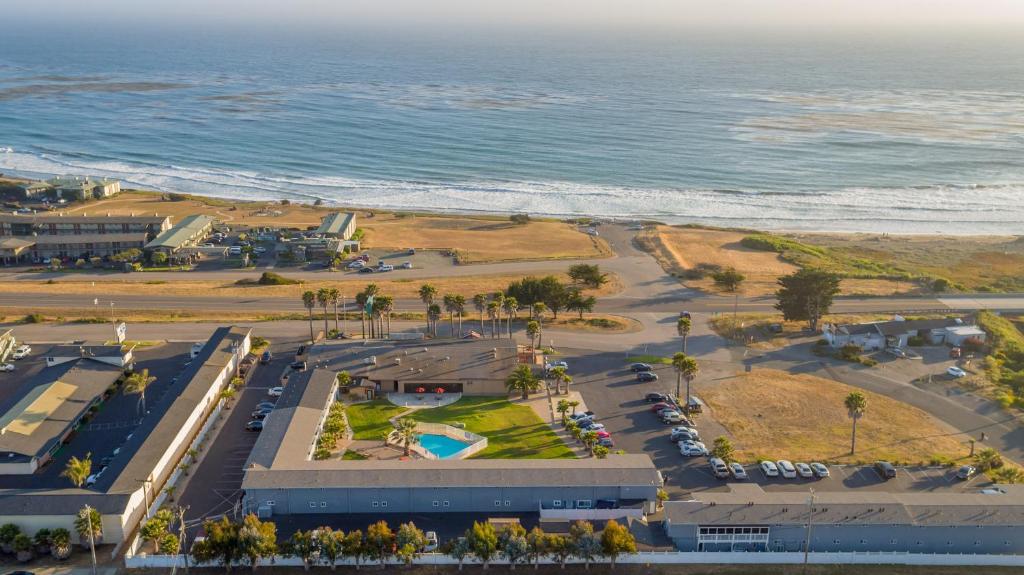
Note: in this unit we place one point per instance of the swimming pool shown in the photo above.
(441, 445)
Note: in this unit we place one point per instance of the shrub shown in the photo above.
(916, 341)
(520, 219)
(850, 352)
(177, 197)
(34, 318)
(273, 279)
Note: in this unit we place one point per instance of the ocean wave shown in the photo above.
(965, 209)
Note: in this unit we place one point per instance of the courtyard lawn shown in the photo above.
(369, 420)
(513, 431)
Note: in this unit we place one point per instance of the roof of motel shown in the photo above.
(185, 230)
(289, 431)
(62, 217)
(483, 359)
(335, 223)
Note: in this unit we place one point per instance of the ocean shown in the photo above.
(902, 133)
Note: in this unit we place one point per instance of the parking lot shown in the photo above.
(610, 389)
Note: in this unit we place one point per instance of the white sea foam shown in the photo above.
(928, 209)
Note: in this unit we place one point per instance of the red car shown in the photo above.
(661, 405)
(602, 434)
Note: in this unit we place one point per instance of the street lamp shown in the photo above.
(113, 325)
(810, 521)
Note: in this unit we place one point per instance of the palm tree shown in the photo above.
(78, 470)
(433, 315)
(683, 326)
(538, 310)
(573, 404)
(309, 301)
(522, 380)
(323, 297)
(560, 376)
(137, 383)
(498, 298)
(460, 309)
(427, 294)
(589, 438)
(563, 409)
(449, 306)
(386, 305)
(371, 290)
(532, 329)
(511, 306)
(334, 296)
(686, 368)
(480, 303)
(492, 313)
(856, 404)
(361, 303)
(405, 430)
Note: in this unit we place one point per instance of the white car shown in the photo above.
(259, 250)
(7, 367)
(356, 264)
(386, 268)
(554, 364)
(593, 427)
(786, 469)
(820, 470)
(431, 537)
(692, 448)
(275, 391)
(769, 469)
(804, 470)
(22, 352)
(684, 429)
(737, 471)
(956, 371)
(92, 479)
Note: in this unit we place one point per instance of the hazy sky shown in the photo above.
(587, 13)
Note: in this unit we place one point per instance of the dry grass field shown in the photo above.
(682, 251)
(476, 239)
(777, 415)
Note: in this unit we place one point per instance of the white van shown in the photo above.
(196, 348)
(235, 250)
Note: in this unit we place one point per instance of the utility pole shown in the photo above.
(113, 324)
(92, 541)
(182, 534)
(810, 522)
(145, 495)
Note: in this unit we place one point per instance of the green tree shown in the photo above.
(156, 527)
(334, 297)
(305, 546)
(480, 303)
(940, 285)
(385, 305)
(332, 545)
(563, 409)
(537, 310)
(170, 544)
(410, 541)
(78, 470)
(722, 449)
(600, 451)
(220, 544)
(493, 311)
(354, 546)
(616, 540)
(427, 294)
(457, 549)
(448, 301)
(579, 303)
(683, 327)
(511, 306)
(323, 297)
(532, 330)
(589, 439)
(309, 302)
(574, 404)
(256, 540)
(856, 405)
(159, 259)
(806, 295)
(513, 544)
(60, 543)
(89, 517)
(7, 534)
(459, 303)
(433, 315)
(686, 368)
(405, 430)
(137, 382)
(537, 546)
(585, 544)
(587, 275)
(523, 380)
(728, 280)
(559, 375)
(988, 459)
(380, 542)
(560, 547)
(483, 541)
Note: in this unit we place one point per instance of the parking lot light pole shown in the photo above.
(810, 523)
(113, 324)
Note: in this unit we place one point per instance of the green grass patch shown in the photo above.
(513, 431)
(811, 256)
(353, 456)
(369, 420)
(1004, 365)
(649, 359)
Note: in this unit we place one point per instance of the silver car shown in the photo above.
(820, 471)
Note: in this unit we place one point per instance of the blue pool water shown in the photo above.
(441, 445)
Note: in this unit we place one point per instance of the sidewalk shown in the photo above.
(544, 406)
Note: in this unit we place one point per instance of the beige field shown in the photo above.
(776, 415)
(682, 249)
(476, 239)
(466, 286)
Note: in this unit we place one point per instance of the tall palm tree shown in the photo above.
(433, 315)
(427, 295)
(538, 310)
(560, 376)
(523, 380)
(323, 297)
(492, 313)
(480, 303)
(532, 329)
(511, 306)
(856, 405)
(361, 302)
(370, 290)
(449, 306)
(498, 298)
(460, 308)
(309, 301)
(78, 470)
(683, 326)
(405, 428)
(686, 368)
(333, 296)
(137, 383)
(386, 305)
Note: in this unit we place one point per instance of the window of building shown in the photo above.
(557, 503)
(508, 503)
(323, 504)
(312, 504)
(497, 503)
(376, 504)
(271, 503)
(583, 503)
(446, 504)
(435, 503)
(383, 503)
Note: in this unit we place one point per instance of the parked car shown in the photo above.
(646, 376)
(22, 352)
(737, 471)
(670, 417)
(554, 364)
(432, 543)
(655, 397)
(661, 405)
(406, 265)
(769, 469)
(719, 468)
(638, 367)
(820, 470)
(965, 472)
(592, 426)
(683, 430)
(275, 391)
(677, 436)
(7, 367)
(885, 469)
(786, 469)
(266, 405)
(386, 268)
(298, 365)
(260, 413)
(582, 415)
(266, 357)
(804, 470)
(895, 351)
(254, 426)
(606, 442)
(366, 270)
(356, 264)
(92, 479)
(955, 371)
(602, 434)
(692, 449)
